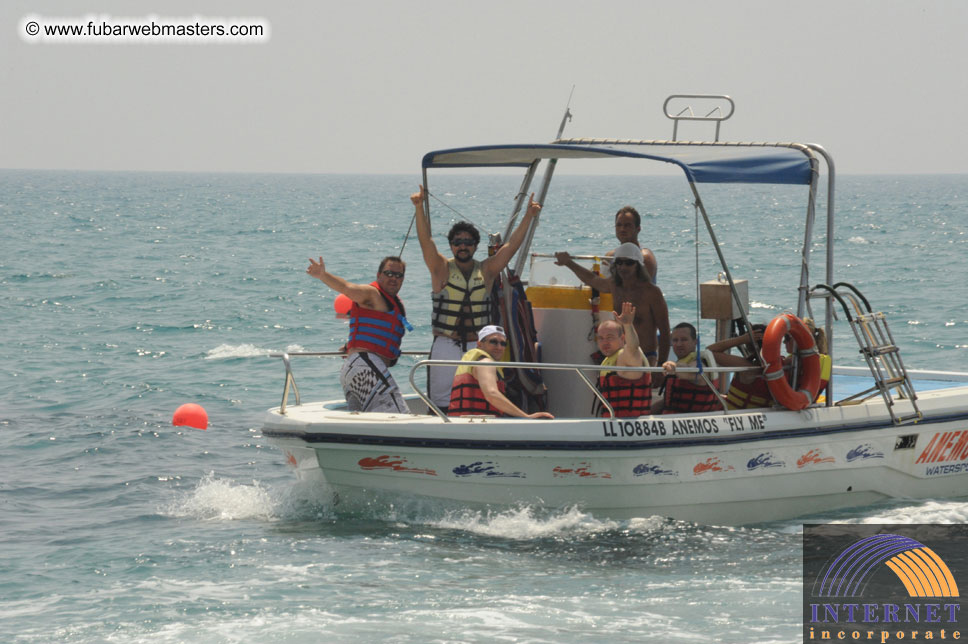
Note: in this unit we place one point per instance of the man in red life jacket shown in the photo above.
(478, 388)
(628, 392)
(377, 324)
(686, 392)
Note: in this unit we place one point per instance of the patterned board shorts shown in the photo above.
(368, 385)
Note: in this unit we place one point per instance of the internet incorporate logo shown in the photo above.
(885, 587)
(922, 572)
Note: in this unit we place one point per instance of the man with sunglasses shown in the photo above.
(461, 288)
(478, 387)
(630, 282)
(377, 324)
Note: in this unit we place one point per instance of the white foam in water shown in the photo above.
(858, 240)
(923, 512)
(229, 351)
(224, 351)
(219, 499)
(521, 523)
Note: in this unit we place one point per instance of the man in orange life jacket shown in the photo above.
(377, 324)
(477, 388)
(628, 392)
(686, 392)
(461, 288)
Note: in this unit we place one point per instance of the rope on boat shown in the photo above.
(443, 203)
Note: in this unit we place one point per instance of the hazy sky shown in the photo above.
(371, 86)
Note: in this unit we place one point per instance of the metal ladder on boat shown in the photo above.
(879, 350)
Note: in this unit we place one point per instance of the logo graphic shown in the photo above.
(946, 447)
(883, 583)
(712, 464)
(922, 572)
(645, 468)
(765, 459)
(582, 471)
(863, 452)
(399, 464)
(813, 457)
(487, 468)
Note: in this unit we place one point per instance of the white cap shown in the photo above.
(628, 250)
(490, 329)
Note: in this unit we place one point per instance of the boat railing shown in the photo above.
(716, 114)
(578, 369)
(290, 384)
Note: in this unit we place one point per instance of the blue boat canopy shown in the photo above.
(703, 162)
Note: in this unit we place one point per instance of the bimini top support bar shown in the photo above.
(686, 113)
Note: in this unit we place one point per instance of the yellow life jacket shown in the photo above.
(463, 306)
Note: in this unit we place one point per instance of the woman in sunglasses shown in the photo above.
(630, 282)
(478, 387)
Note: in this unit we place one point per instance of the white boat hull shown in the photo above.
(716, 468)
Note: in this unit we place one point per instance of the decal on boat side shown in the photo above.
(712, 464)
(384, 463)
(643, 469)
(581, 471)
(863, 452)
(487, 468)
(764, 460)
(942, 470)
(945, 447)
(814, 457)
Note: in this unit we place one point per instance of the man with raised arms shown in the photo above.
(630, 283)
(377, 325)
(461, 289)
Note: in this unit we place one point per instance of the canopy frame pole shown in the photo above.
(542, 195)
(722, 261)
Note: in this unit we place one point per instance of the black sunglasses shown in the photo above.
(394, 274)
(464, 241)
(500, 343)
(625, 262)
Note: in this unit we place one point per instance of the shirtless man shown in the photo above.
(629, 283)
(628, 225)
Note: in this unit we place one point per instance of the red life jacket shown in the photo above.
(749, 396)
(629, 398)
(467, 397)
(376, 331)
(685, 397)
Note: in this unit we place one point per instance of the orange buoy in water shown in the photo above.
(191, 415)
(342, 304)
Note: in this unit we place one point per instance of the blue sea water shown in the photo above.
(125, 295)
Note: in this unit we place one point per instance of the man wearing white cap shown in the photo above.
(630, 282)
(478, 387)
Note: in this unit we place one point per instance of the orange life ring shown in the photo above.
(809, 359)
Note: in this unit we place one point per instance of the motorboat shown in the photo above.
(879, 431)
